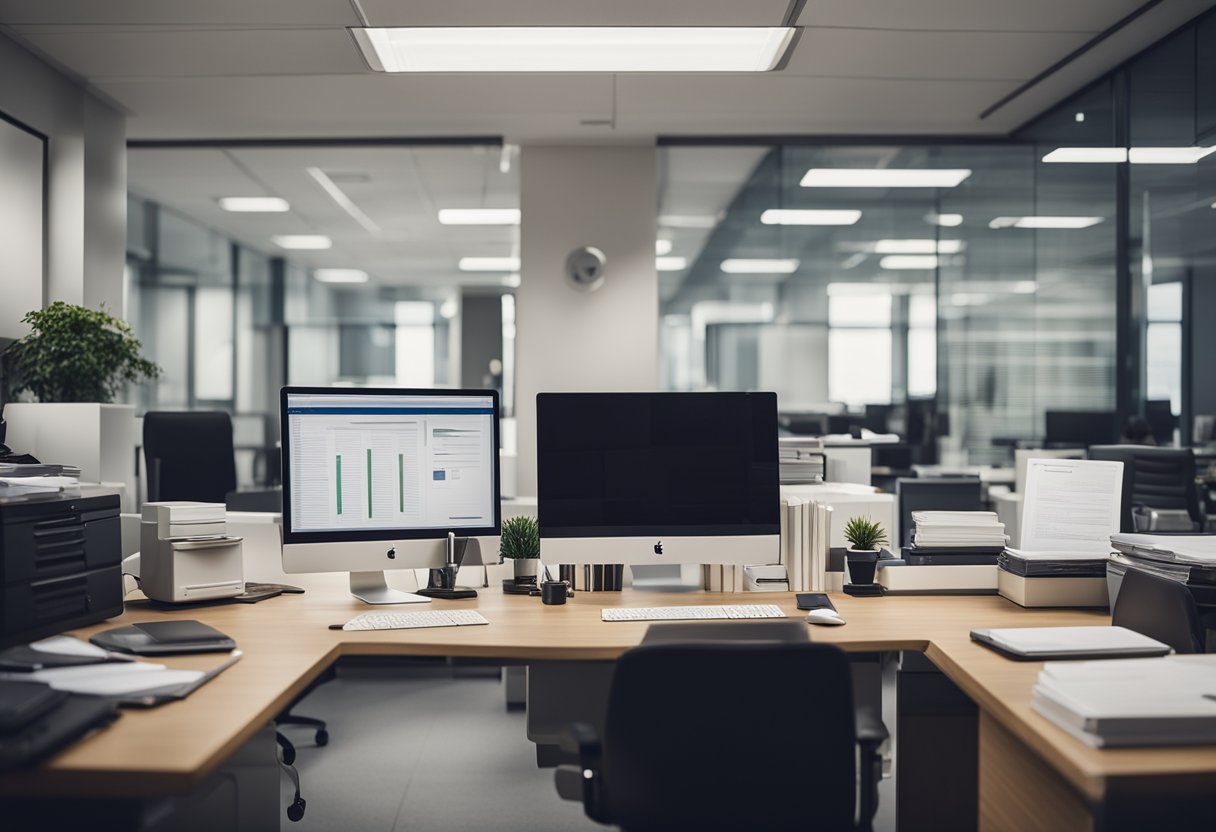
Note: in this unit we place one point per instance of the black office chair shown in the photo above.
(1155, 479)
(189, 456)
(1159, 608)
(699, 736)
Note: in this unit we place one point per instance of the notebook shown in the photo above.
(1040, 643)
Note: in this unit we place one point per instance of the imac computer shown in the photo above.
(658, 478)
(377, 479)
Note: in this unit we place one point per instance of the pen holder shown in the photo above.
(553, 592)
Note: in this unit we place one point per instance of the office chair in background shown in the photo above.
(1159, 608)
(1159, 488)
(694, 739)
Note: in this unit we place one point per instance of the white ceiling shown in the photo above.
(288, 68)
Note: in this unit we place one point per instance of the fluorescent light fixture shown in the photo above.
(809, 216)
(1025, 287)
(1044, 222)
(944, 220)
(736, 265)
(340, 275)
(670, 264)
(479, 216)
(489, 264)
(511, 280)
(302, 242)
(1167, 155)
(909, 261)
(254, 204)
(918, 246)
(687, 221)
(344, 202)
(574, 48)
(662, 247)
(884, 177)
(1087, 154)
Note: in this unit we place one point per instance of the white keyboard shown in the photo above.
(691, 613)
(414, 620)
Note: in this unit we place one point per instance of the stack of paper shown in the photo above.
(959, 530)
(801, 460)
(1131, 702)
(19, 482)
(1186, 559)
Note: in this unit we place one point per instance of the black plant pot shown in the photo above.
(862, 565)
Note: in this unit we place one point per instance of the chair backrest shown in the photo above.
(935, 494)
(716, 736)
(1160, 478)
(1159, 608)
(189, 456)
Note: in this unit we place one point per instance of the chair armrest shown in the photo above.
(870, 729)
(871, 734)
(582, 782)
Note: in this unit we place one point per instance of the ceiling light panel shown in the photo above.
(489, 264)
(918, 246)
(254, 204)
(574, 48)
(670, 264)
(908, 261)
(302, 242)
(884, 177)
(687, 221)
(736, 265)
(479, 216)
(808, 216)
(1090, 155)
(662, 247)
(1044, 222)
(1167, 155)
(944, 220)
(340, 275)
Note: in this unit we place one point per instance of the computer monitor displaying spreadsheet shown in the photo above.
(376, 479)
(652, 478)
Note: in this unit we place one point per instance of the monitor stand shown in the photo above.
(371, 588)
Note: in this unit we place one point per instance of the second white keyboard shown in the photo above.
(414, 620)
(691, 613)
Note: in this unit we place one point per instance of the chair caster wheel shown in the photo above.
(322, 737)
(289, 756)
(296, 810)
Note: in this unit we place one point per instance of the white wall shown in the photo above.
(21, 201)
(569, 340)
(86, 177)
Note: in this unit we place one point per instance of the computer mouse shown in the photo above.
(824, 616)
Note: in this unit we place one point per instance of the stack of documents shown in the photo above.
(20, 482)
(801, 460)
(952, 553)
(1131, 702)
(1187, 559)
(1069, 511)
(959, 531)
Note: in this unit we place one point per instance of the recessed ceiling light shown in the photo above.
(736, 265)
(944, 220)
(1044, 222)
(1167, 155)
(302, 242)
(1087, 154)
(340, 275)
(909, 261)
(884, 177)
(670, 264)
(687, 221)
(479, 216)
(662, 247)
(254, 204)
(489, 264)
(574, 48)
(918, 246)
(809, 216)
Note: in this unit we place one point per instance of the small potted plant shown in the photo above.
(865, 537)
(520, 543)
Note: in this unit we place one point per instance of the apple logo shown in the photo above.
(392, 553)
(658, 548)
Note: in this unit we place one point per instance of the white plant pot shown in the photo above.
(526, 567)
(98, 438)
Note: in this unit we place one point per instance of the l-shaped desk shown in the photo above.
(1032, 775)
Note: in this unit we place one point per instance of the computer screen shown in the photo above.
(657, 464)
(1081, 427)
(385, 464)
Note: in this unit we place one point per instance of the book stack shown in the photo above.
(805, 543)
(801, 460)
(952, 552)
(1131, 702)
(1187, 559)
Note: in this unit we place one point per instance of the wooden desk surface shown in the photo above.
(286, 644)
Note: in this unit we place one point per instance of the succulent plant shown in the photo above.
(864, 534)
(520, 539)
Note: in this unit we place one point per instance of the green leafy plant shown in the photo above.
(520, 539)
(864, 534)
(75, 354)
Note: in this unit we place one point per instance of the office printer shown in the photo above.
(186, 553)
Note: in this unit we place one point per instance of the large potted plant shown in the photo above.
(73, 364)
(865, 537)
(520, 543)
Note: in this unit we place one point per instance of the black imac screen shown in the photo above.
(643, 464)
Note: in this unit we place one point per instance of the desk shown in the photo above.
(1032, 774)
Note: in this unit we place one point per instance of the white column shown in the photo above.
(568, 340)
